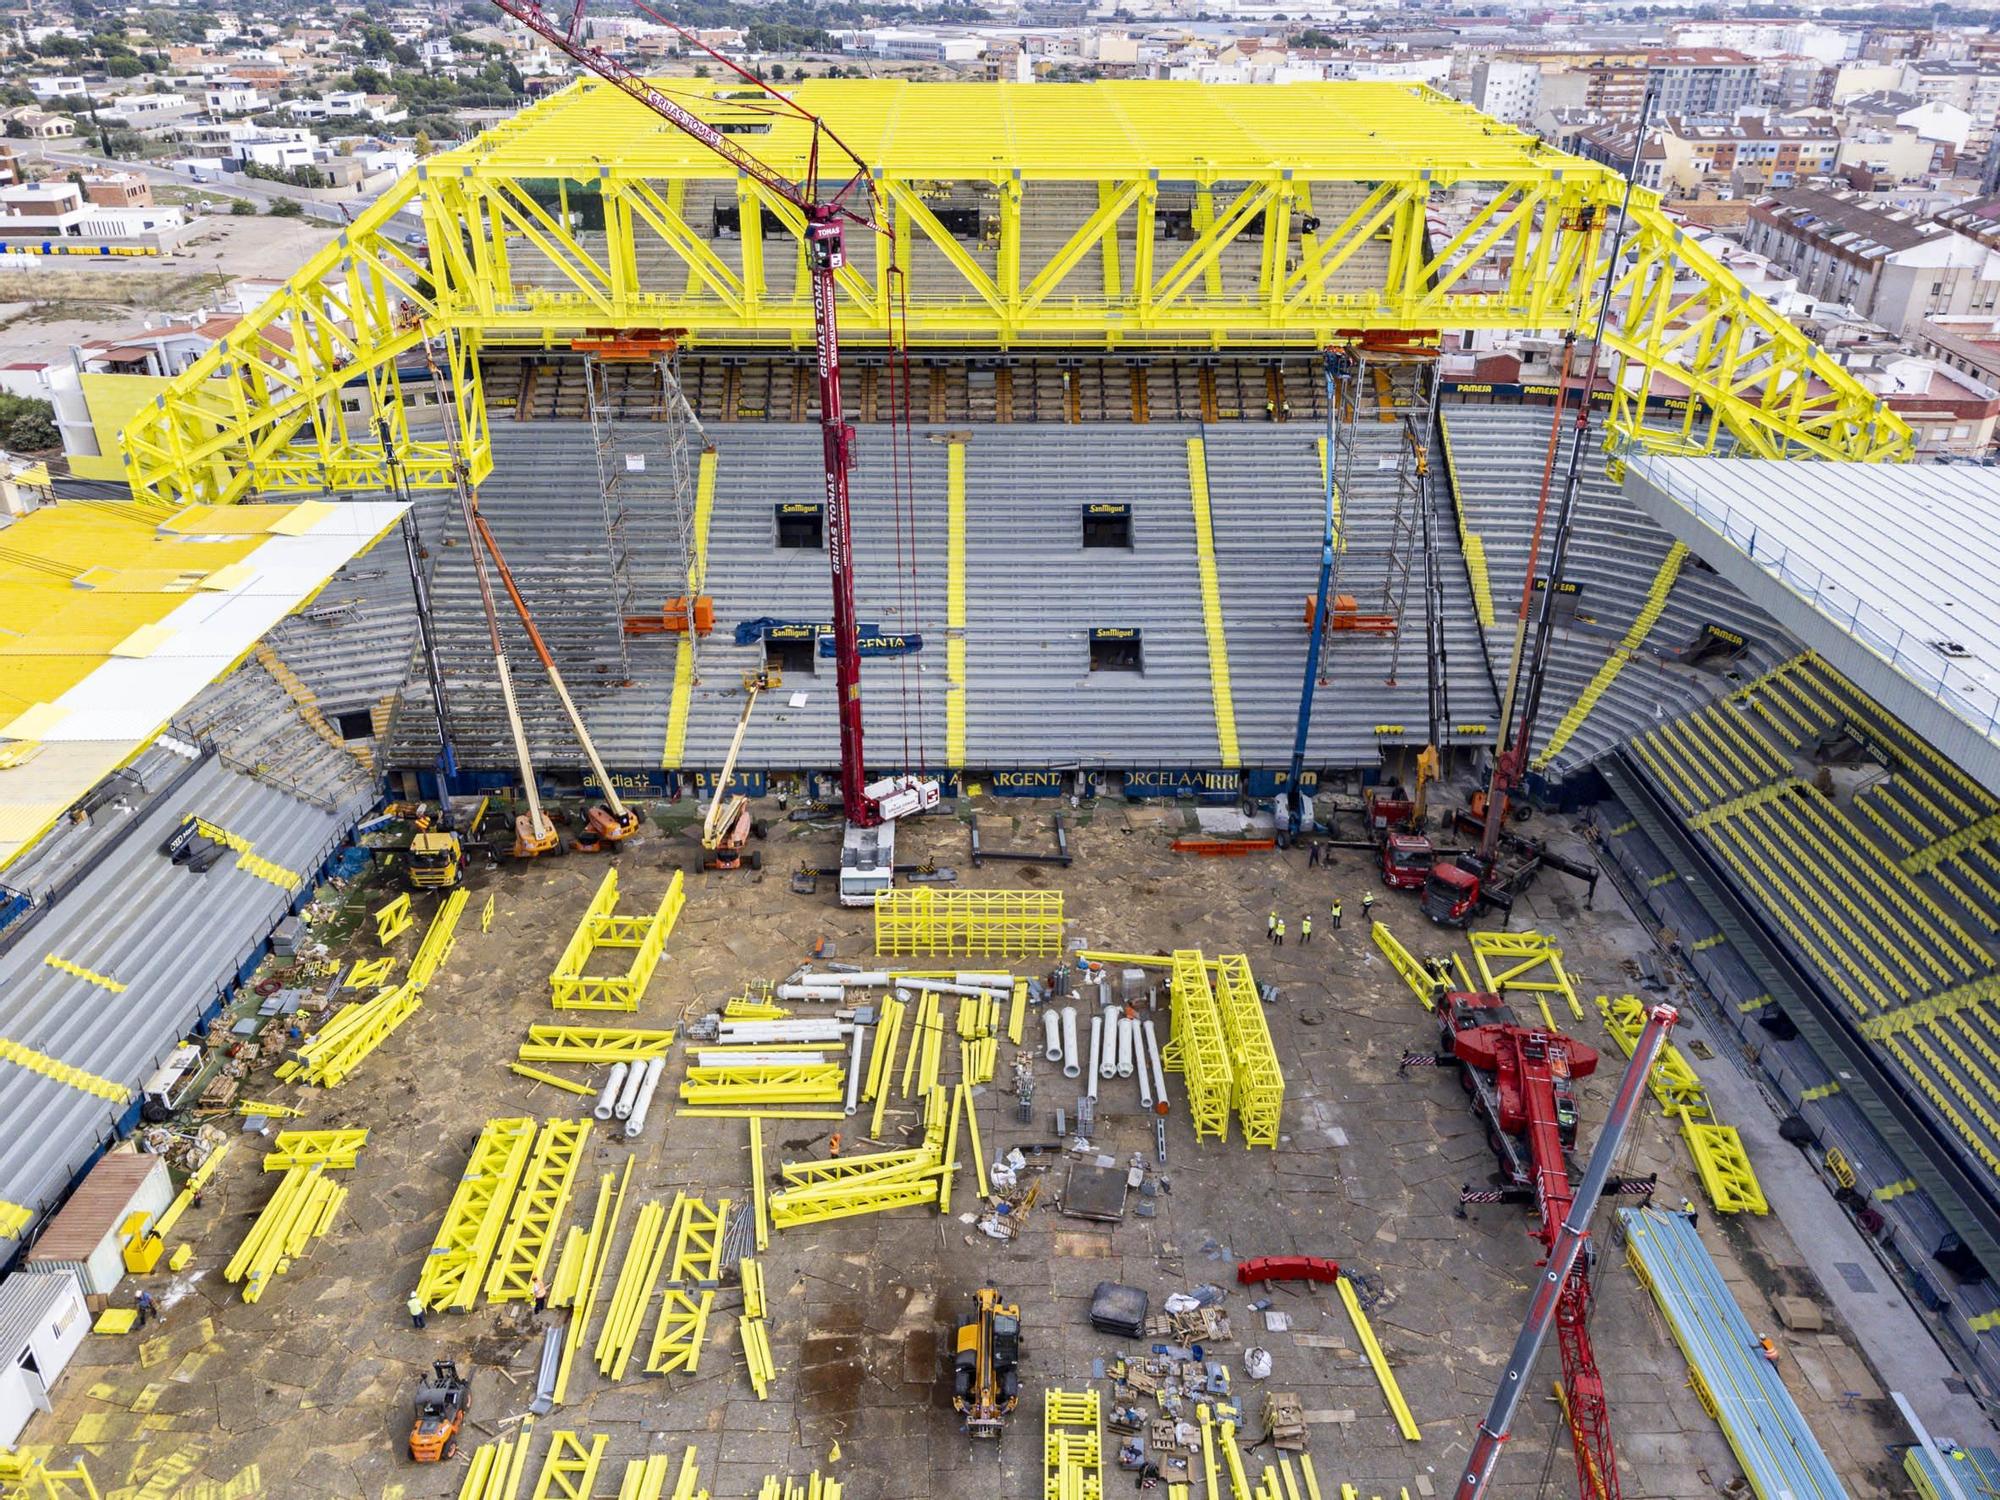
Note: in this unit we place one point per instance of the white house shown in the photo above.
(69, 86)
(228, 96)
(43, 1319)
(139, 110)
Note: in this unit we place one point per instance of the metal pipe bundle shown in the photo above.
(629, 1095)
(1107, 1065)
(1128, 1038)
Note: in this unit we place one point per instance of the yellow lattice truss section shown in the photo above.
(1129, 215)
(644, 937)
(1253, 1061)
(924, 922)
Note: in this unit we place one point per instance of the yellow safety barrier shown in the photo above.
(571, 989)
(1073, 1445)
(925, 922)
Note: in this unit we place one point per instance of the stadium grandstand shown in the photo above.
(1093, 443)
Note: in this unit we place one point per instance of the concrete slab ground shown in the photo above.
(305, 1393)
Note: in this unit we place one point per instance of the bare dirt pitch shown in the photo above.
(305, 1394)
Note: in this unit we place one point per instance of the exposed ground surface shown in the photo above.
(305, 1393)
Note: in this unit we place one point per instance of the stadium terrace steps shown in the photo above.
(175, 941)
(1270, 503)
(1616, 554)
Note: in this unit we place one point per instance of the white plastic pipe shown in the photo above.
(748, 1059)
(1096, 1043)
(1070, 1065)
(818, 994)
(854, 1070)
(1145, 1080)
(1152, 1039)
(636, 1121)
(946, 987)
(1128, 1043)
(629, 1095)
(607, 1098)
(755, 1032)
(1051, 1034)
(1107, 1065)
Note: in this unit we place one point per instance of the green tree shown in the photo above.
(285, 208)
(242, 208)
(125, 67)
(422, 144)
(27, 426)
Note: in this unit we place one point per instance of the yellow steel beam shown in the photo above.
(1206, 183)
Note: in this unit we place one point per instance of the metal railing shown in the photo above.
(1918, 660)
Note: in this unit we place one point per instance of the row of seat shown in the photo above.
(1618, 557)
(1875, 931)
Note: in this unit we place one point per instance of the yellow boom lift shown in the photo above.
(727, 829)
(611, 821)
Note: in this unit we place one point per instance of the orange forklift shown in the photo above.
(442, 1404)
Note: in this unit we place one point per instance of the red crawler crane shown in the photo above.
(1522, 1082)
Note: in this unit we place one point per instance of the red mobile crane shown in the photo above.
(1522, 1081)
(868, 851)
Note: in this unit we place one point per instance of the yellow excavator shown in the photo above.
(985, 1370)
(727, 829)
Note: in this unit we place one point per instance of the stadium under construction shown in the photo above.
(1112, 464)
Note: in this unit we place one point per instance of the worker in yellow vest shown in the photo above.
(1278, 933)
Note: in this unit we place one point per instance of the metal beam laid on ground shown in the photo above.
(1392, 1392)
(1771, 1438)
(569, 1470)
(567, 1085)
(1423, 984)
(529, 1237)
(757, 1186)
(458, 1258)
(592, 1044)
(586, 1278)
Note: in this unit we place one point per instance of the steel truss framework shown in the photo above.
(1129, 216)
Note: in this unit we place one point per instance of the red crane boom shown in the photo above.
(1522, 1082)
(826, 221)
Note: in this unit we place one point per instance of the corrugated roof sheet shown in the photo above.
(97, 1207)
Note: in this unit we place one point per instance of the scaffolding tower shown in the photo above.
(647, 436)
(1406, 387)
